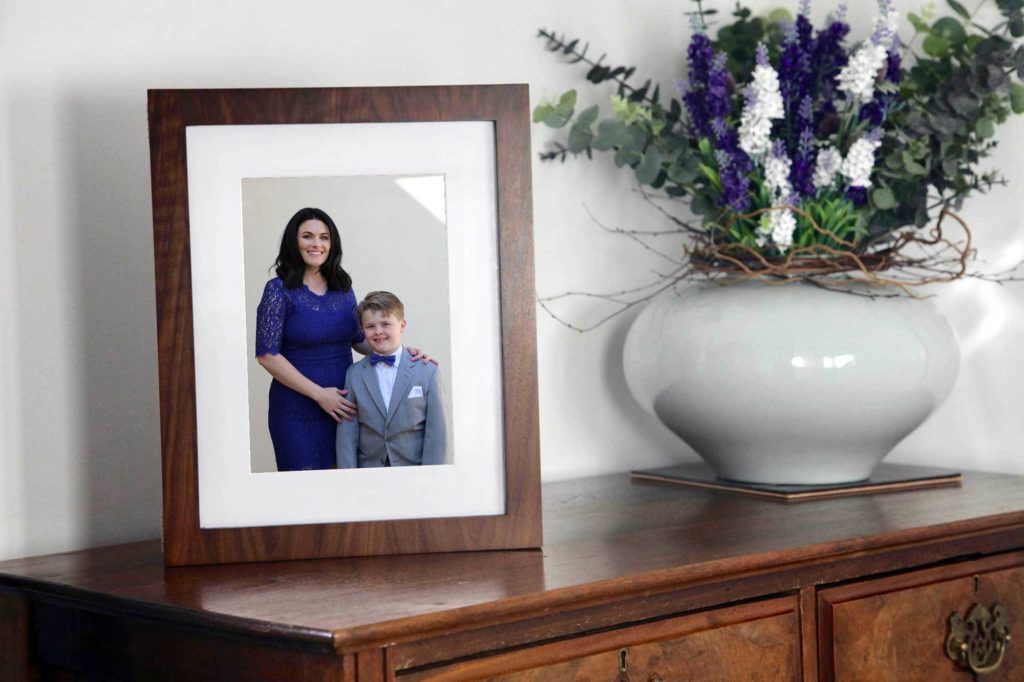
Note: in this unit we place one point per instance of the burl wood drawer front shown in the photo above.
(896, 628)
(755, 641)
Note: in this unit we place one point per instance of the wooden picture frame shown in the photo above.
(172, 114)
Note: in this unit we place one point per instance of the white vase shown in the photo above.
(790, 383)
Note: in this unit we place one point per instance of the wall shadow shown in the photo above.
(112, 237)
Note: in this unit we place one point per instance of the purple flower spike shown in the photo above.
(762, 54)
(801, 173)
(796, 67)
(858, 195)
(706, 94)
(828, 59)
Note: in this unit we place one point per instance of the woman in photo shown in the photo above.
(306, 328)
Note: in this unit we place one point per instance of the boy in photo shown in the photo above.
(401, 412)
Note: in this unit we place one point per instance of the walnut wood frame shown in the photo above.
(170, 112)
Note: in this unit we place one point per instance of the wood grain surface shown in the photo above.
(755, 641)
(616, 551)
(895, 628)
(170, 112)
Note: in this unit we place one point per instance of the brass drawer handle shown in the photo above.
(979, 641)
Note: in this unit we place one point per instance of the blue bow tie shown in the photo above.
(386, 359)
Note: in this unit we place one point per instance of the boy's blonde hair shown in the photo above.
(383, 302)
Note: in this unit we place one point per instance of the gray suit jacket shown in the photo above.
(414, 430)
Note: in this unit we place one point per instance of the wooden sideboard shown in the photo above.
(637, 581)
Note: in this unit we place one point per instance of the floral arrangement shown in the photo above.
(807, 156)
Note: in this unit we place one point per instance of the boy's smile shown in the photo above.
(383, 332)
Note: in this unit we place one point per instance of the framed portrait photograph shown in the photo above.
(346, 327)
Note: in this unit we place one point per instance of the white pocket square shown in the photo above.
(416, 392)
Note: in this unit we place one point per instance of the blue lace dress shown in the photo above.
(315, 333)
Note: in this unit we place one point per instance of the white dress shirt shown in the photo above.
(386, 375)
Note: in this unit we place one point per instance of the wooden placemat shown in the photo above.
(885, 479)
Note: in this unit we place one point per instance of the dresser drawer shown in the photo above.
(754, 641)
(896, 628)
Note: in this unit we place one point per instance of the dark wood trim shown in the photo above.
(170, 112)
(96, 644)
(14, 637)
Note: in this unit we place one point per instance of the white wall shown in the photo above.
(79, 418)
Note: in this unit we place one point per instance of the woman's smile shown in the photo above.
(314, 243)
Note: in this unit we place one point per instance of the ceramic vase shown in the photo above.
(791, 383)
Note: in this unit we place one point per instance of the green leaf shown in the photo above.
(883, 198)
(623, 157)
(579, 138)
(950, 29)
(1017, 26)
(701, 204)
(935, 46)
(959, 9)
(684, 170)
(587, 117)
(712, 175)
(542, 111)
(567, 100)
(610, 133)
(1018, 61)
(556, 120)
(649, 168)
(780, 16)
(1017, 98)
(918, 23)
(914, 168)
(985, 127)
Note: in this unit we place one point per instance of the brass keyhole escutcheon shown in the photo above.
(978, 642)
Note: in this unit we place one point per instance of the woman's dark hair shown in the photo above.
(289, 265)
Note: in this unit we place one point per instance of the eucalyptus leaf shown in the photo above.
(950, 29)
(587, 117)
(684, 170)
(579, 138)
(918, 23)
(883, 198)
(914, 168)
(936, 46)
(623, 157)
(542, 111)
(556, 120)
(985, 127)
(701, 204)
(1017, 98)
(1017, 26)
(610, 133)
(959, 9)
(649, 168)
